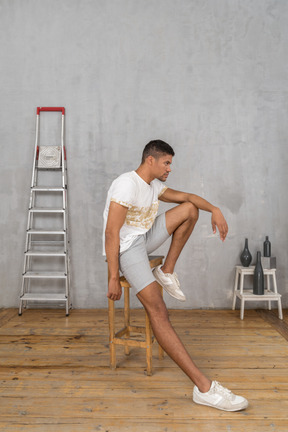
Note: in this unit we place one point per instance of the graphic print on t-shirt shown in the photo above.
(141, 217)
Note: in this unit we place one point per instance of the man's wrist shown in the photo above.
(114, 277)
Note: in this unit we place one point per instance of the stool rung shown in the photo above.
(130, 342)
(130, 329)
(122, 332)
(137, 329)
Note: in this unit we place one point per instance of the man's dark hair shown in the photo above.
(156, 148)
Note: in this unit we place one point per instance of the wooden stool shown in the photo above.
(122, 337)
(247, 294)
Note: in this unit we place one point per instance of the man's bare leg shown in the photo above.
(166, 336)
(180, 222)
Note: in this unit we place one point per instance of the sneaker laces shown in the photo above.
(218, 388)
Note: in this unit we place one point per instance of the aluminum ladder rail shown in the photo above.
(49, 247)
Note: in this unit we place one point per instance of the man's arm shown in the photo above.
(217, 219)
(116, 218)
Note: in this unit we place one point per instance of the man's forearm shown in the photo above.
(217, 218)
(178, 197)
(112, 245)
(201, 203)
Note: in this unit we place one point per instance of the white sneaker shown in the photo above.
(169, 282)
(219, 397)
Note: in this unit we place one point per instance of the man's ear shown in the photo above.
(150, 159)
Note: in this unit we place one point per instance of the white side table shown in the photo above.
(247, 294)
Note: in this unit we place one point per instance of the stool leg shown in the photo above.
(241, 283)
(127, 317)
(111, 318)
(280, 313)
(235, 289)
(148, 344)
(274, 282)
(160, 349)
(268, 289)
(242, 308)
(242, 298)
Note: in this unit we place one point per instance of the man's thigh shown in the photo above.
(135, 266)
(179, 214)
(134, 262)
(157, 235)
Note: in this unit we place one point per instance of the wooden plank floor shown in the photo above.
(54, 374)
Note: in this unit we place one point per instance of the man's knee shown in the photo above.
(158, 311)
(182, 213)
(191, 211)
(153, 302)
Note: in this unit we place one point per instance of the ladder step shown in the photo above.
(48, 189)
(49, 169)
(44, 275)
(47, 210)
(49, 244)
(43, 296)
(46, 232)
(45, 253)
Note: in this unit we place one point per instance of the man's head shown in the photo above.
(157, 148)
(157, 157)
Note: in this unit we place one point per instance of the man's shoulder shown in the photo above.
(124, 178)
(124, 182)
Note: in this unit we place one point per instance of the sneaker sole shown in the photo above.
(222, 409)
(172, 295)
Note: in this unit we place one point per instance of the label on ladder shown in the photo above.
(49, 157)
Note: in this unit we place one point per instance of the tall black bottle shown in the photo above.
(267, 247)
(258, 280)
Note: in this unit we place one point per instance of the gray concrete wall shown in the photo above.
(208, 76)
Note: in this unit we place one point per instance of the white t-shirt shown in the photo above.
(141, 199)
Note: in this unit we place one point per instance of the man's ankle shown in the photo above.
(205, 387)
(167, 269)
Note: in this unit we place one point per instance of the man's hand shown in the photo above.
(114, 289)
(219, 221)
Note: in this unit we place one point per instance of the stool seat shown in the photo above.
(122, 337)
(245, 294)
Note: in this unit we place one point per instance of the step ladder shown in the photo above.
(46, 276)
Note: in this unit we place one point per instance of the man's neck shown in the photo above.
(144, 174)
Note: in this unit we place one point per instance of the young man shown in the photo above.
(132, 231)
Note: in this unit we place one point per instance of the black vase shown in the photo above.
(267, 247)
(246, 256)
(258, 280)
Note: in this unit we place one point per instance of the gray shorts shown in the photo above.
(134, 262)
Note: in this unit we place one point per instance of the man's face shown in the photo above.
(162, 167)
